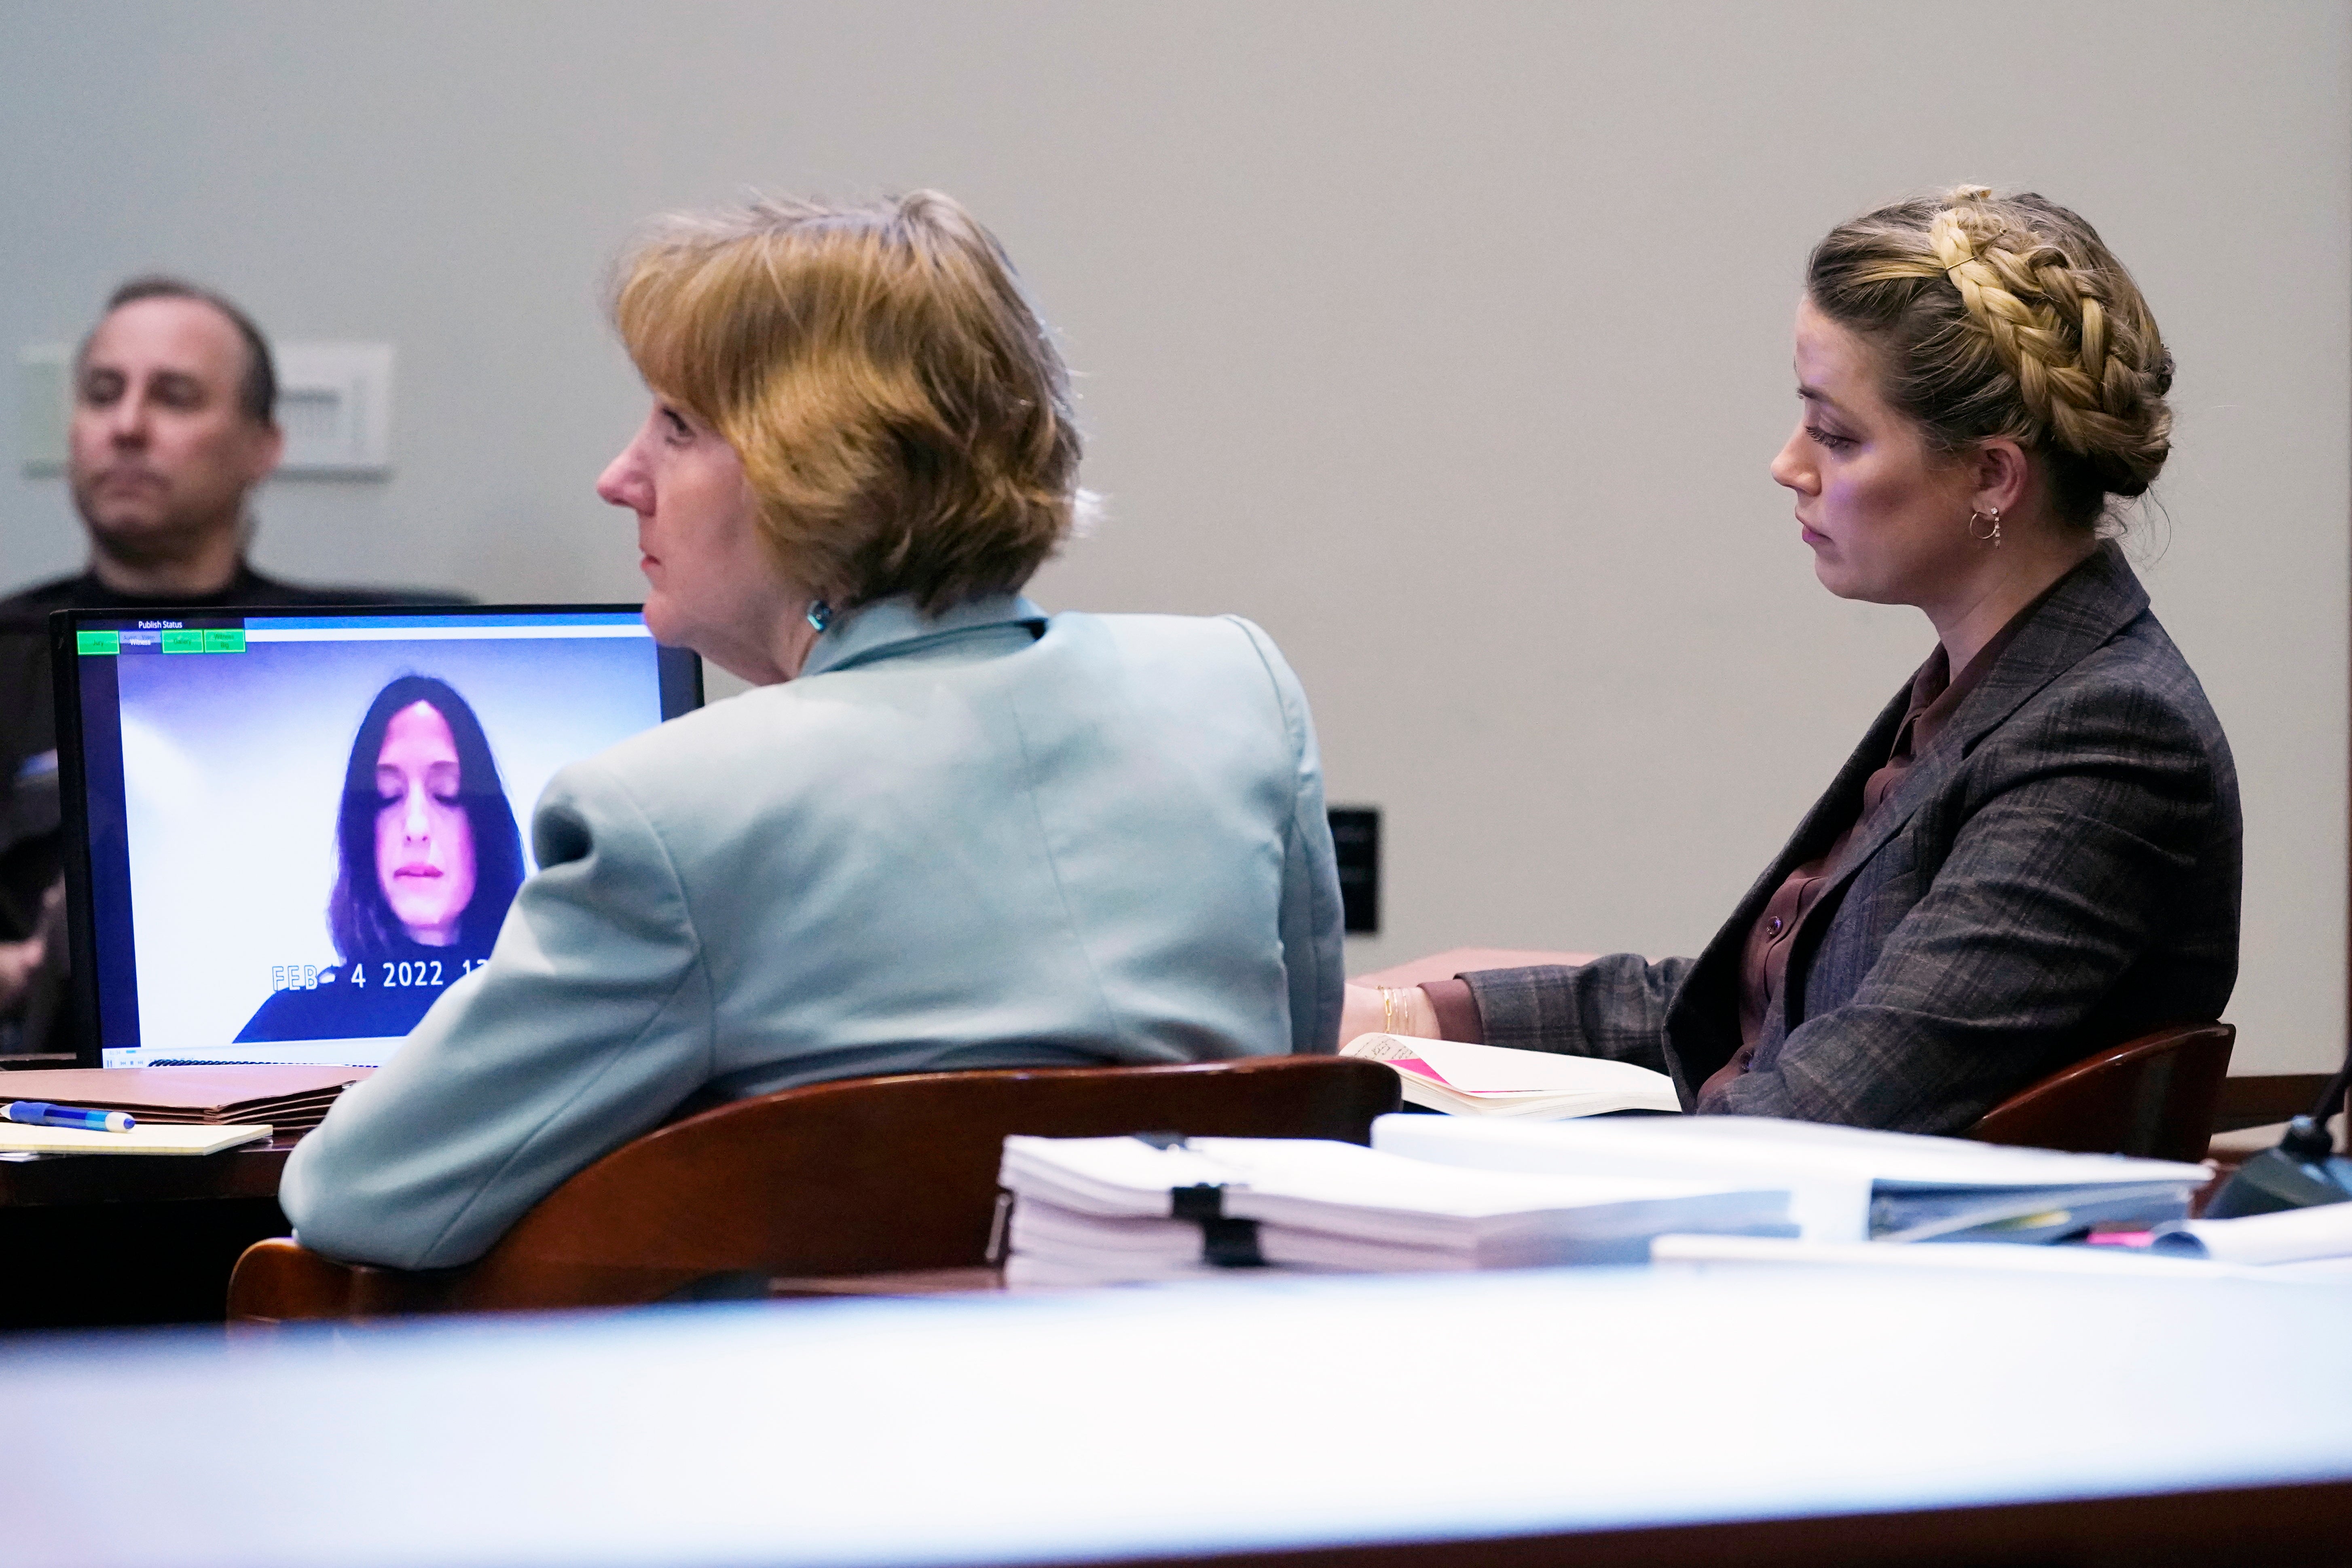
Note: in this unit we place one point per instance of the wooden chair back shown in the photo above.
(2156, 1096)
(860, 1175)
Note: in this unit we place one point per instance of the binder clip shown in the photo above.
(1225, 1242)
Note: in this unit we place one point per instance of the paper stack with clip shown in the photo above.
(1099, 1211)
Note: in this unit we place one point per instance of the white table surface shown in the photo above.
(1255, 1414)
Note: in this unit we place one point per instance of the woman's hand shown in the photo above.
(1405, 1011)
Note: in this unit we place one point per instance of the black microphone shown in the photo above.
(2304, 1172)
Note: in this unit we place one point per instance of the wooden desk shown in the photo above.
(1596, 1416)
(908, 1283)
(97, 1240)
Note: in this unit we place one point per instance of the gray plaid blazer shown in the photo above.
(2057, 873)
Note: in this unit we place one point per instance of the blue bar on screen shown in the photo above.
(551, 618)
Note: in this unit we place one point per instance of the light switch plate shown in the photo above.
(334, 403)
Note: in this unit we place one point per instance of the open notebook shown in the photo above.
(1496, 1081)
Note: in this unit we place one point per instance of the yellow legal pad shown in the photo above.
(145, 1139)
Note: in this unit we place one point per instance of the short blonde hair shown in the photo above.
(2008, 316)
(902, 417)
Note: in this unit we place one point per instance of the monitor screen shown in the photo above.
(289, 832)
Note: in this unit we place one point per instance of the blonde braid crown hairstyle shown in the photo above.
(2008, 316)
(902, 417)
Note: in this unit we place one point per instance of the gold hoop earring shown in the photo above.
(1990, 514)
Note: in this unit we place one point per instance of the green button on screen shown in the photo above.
(98, 642)
(218, 640)
(183, 642)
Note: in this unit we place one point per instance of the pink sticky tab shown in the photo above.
(1415, 1064)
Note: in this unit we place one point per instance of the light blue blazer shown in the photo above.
(995, 839)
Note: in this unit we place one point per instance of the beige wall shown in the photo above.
(1448, 340)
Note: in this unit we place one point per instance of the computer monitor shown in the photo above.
(287, 832)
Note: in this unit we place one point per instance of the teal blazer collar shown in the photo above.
(886, 628)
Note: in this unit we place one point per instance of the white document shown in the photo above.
(2292, 1236)
(1833, 1173)
(147, 1138)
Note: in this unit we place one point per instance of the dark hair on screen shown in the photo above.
(257, 390)
(362, 922)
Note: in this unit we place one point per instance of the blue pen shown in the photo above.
(40, 1113)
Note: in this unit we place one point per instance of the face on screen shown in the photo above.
(423, 839)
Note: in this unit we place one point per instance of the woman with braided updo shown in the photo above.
(2034, 852)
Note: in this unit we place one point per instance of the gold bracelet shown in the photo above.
(1389, 1010)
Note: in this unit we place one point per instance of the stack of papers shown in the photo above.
(1097, 1211)
(1845, 1184)
(292, 1100)
(1494, 1080)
